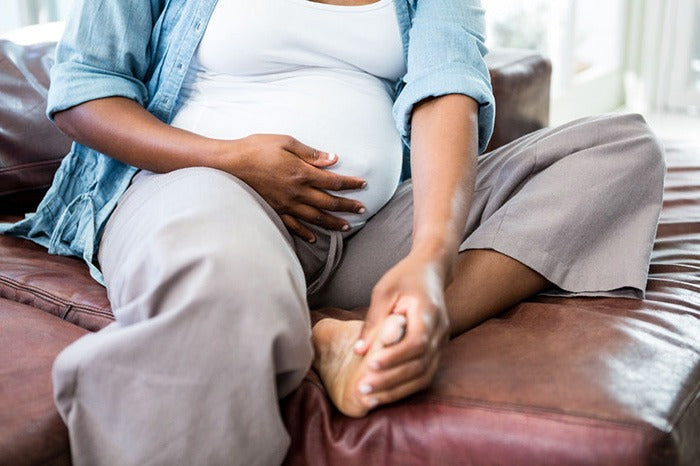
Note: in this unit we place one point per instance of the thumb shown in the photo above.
(312, 156)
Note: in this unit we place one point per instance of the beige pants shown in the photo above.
(209, 291)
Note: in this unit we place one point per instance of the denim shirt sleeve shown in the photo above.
(104, 52)
(445, 56)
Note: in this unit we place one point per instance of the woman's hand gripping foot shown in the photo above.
(396, 350)
(341, 370)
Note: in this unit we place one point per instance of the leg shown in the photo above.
(487, 283)
(574, 206)
(211, 329)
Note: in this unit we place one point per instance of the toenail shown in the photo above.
(359, 344)
(374, 365)
(372, 402)
(365, 388)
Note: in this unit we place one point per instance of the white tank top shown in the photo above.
(320, 73)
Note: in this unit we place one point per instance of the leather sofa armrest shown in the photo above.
(521, 82)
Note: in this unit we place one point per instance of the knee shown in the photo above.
(647, 160)
(267, 267)
(210, 268)
(236, 268)
(237, 255)
(626, 143)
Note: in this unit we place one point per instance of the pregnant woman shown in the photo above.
(237, 161)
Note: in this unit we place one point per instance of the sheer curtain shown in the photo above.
(662, 72)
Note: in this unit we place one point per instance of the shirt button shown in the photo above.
(179, 66)
(198, 26)
(166, 100)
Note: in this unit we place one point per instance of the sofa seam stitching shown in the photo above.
(48, 296)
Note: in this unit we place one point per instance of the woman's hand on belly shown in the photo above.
(290, 176)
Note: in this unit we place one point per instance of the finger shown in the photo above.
(334, 182)
(318, 217)
(297, 228)
(323, 200)
(310, 155)
(375, 382)
(420, 339)
(399, 392)
(381, 304)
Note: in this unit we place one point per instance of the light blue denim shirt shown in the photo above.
(141, 49)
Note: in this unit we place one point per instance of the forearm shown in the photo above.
(444, 148)
(124, 130)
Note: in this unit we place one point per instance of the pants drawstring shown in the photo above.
(335, 253)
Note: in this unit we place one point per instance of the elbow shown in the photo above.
(65, 120)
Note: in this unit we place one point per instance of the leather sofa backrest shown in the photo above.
(31, 147)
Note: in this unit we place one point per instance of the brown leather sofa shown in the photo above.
(551, 381)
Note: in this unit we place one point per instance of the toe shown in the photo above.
(393, 329)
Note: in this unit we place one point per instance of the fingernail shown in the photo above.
(365, 388)
(331, 156)
(364, 185)
(372, 402)
(312, 239)
(345, 227)
(361, 210)
(374, 365)
(359, 345)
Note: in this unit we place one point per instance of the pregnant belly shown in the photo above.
(350, 117)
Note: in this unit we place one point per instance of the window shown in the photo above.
(663, 64)
(17, 13)
(585, 39)
(683, 86)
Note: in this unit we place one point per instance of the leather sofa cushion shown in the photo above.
(57, 285)
(31, 431)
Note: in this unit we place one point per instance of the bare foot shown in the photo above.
(340, 368)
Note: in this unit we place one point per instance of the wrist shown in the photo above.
(441, 253)
(225, 155)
